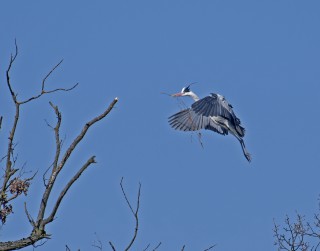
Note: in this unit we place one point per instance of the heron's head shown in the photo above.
(186, 92)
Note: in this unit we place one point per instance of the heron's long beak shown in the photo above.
(177, 94)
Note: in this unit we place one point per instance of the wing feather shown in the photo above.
(188, 120)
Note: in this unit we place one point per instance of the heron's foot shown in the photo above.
(248, 156)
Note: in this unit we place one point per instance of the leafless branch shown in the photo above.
(43, 91)
(12, 59)
(36, 245)
(47, 92)
(45, 78)
(9, 170)
(146, 248)
(57, 135)
(2, 158)
(157, 246)
(112, 246)
(44, 175)
(57, 167)
(66, 188)
(28, 215)
(97, 246)
(211, 247)
(18, 244)
(134, 212)
(98, 243)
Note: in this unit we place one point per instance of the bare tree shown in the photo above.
(15, 184)
(298, 235)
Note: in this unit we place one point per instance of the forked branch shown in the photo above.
(43, 91)
(135, 213)
(66, 188)
(58, 166)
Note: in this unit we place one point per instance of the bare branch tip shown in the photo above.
(53, 105)
(93, 159)
(112, 246)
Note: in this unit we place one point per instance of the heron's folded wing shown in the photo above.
(216, 106)
(213, 106)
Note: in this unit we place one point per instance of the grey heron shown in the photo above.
(210, 113)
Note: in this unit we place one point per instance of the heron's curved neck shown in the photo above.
(193, 96)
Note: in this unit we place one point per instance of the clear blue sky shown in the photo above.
(263, 56)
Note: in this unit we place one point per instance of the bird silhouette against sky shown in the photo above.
(210, 113)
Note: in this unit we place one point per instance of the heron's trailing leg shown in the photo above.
(245, 152)
(232, 129)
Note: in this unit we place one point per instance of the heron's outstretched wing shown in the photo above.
(189, 120)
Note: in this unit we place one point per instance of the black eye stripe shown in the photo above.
(186, 89)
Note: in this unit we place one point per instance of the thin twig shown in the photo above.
(58, 141)
(28, 215)
(45, 78)
(135, 213)
(41, 244)
(113, 248)
(99, 245)
(210, 247)
(125, 196)
(44, 175)
(43, 91)
(146, 248)
(12, 59)
(9, 170)
(157, 246)
(47, 92)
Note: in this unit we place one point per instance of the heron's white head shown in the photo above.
(186, 92)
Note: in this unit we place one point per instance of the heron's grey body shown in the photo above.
(210, 113)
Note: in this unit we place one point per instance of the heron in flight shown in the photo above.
(210, 113)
